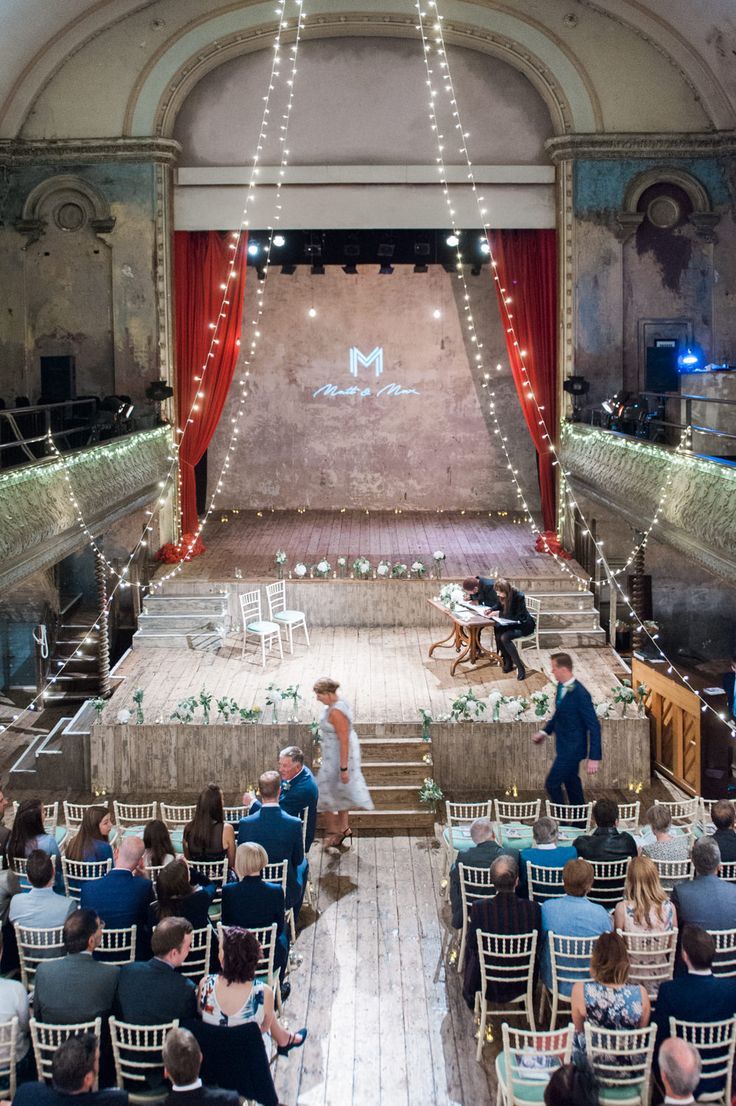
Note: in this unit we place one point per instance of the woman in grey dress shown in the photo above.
(341, 784)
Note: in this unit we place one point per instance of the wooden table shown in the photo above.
(464, 638)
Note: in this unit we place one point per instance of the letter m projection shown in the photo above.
(375, 357)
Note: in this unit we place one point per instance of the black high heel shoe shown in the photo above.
(284, 1050)
(343, 836)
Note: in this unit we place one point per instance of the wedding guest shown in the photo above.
(182, 1063)
(75, 1068)
(298, 792)
(342, 787)
(512, 621)
(607, 1000)
(666, 845)
(91, 839)
(546, 851)
(178, 897)
(253, 903)
(723, 817)
(41, 907)
(159, 849)
(208, 836)
(645, 907)
(28, 833)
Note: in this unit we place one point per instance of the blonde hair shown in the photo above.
(644, 890)
(250, 859)
(326, 686)
(609, 960)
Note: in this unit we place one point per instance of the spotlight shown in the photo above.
(452, 240)
(317, 269)
(351, 269)
(288, 270)
(386, 248)
(253, 248)
(691, 360)
(421, 268)
(279, 240)
(436, 314)
(484, 247)
(386, 268)
(312, 312)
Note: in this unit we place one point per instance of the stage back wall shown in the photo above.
(374, 403)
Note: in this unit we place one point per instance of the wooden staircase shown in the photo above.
(394, 769)
(73, 672)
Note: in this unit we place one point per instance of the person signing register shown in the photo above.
(482, 591)
(577, 732)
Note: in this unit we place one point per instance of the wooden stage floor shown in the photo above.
(384, 673)
(387, 1022)
(490, 543)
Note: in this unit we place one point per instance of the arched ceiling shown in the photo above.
(654, 60)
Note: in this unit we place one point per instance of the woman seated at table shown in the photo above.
(178, 897)
(517, 623)
(234, 996)
(91, 839)
(29, 833)
(607, 1000)
(666, 845)
(208, 836)
(253, 903)
(159, 848)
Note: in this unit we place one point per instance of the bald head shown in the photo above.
(504, 873)
(130, 853)
(679, 1065)
(481, 830)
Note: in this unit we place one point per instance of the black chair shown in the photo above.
(235, 1059)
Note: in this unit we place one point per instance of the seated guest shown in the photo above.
(572, 1085)
(253, 903)
(513, 621)
(605, 842)
(481, 590)
(74, 1070)
(484, 851)
(706, 901)
(546, 850)
(121, 897)
(4, 830)
(506, 914)
(41, 907)
(281, 836)
(91, 840)
(666, 845)
(208, 836)
(28, 833)
(9, 884)
(153, 992)
(177, 897)
(679, 1066)
(698, 996)
(77, 988)
(235, 996)
(607, 1000)
(159, 849)
(645, 907)
(723, 817)
(298, 790)
(14, 1004)
(182, 1062)
(572, 915)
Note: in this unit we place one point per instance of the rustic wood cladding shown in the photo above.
(675, 714)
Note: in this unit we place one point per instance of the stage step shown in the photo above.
(385, 821)
(178, 620)
(393, 772)
(167, 621)
(185, 604)
(558, 601)
(552, 638)
(408, 750)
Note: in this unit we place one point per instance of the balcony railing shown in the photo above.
(74, 424)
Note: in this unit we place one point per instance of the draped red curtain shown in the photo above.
(201, 266)
(526, 270)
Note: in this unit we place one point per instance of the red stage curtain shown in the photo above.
(527, 269)
(201, 266)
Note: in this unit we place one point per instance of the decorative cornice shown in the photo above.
(88, 151)
(613, 147)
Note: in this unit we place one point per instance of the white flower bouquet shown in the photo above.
(362, 567)
(280, 557)
(515, 707)
(438, 557)
(467, 707)
(342, 567)
(495, 701)
(384, 569)
(624, 695)
(450, 595)
(398, 570)
(123, 717)
(418, 569)
(540, 702)
(323, 568)
(603, 710)
(300, 569)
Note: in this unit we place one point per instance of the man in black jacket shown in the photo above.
(74, 1070)
(483, 852)
(182, 1061)
(606, 842)
(482, 590)
(723, 816)
(153, 992)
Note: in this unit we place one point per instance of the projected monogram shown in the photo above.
(356, 360)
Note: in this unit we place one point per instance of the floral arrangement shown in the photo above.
(184, 710)
(438, 557)
(399, 570)
(274, 695)
(467, 707)
(171, 553)
(430, 793)
(314, 730)
(603, 709)
(496, 701)
(300, 569)
(540, 702)
(205, 701)
(227, 707)
(323, 569)
(98, 705)
(450, 595)
(419, 569)
(292, 693)
(362, 567)
(384, 569)
(624, 695)
(138, 700)
(426, 716)
(123, 717)
(280, 557)
(515, 707)
(250, 714)
(342, 566)
(642, 691)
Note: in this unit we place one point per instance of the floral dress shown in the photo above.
(252, 1010)
(610, 1008)
(333, 793)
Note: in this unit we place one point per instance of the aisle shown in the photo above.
(381, 1029)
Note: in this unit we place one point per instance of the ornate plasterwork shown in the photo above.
(88, 151)
(627, 476)
(38, 522)
(71, 201)
(704, 219)
(616, 147)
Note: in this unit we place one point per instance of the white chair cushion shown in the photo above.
(262, 628)
(289, 616)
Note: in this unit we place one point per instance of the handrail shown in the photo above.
(74, 423)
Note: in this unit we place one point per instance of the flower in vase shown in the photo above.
(384, 568)
(398, 570)
(323, 568)
(438, 555)
(342, 562)
(280, 557)
(418, 569)
(123, 717)
(300, 569)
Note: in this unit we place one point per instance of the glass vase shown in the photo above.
(279, 572)
(274, 714)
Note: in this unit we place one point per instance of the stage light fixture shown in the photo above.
(317, 269)
(386, 268)
(386, 249)
(260, 272)
(421, 268)
(288, 270)
(484, 247)
(279, 240)
(452, 240)
(253, 248)
(351, 269)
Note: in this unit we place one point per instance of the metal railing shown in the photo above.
(688, 399)
(74, 423)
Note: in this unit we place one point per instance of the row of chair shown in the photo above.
(268, 631)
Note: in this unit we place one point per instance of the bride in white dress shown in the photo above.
(341, 784)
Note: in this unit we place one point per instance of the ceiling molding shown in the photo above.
(609, 147)
(87, 151)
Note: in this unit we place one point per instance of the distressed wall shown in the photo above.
(427, 448)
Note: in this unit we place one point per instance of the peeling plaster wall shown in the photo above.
(422, 452)
(81, 293)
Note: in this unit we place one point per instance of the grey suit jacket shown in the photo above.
(75, 989)
(40, 907)
(706, 901)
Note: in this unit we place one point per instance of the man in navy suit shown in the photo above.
(182, 1063)
(298, 790)
(481, 590)
(281, 836)
(153, 992)
(121, 898)
(729, 686)
(577, 732)
(698, 996)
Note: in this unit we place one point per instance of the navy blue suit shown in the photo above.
(120, 899)
(729, 686)
(154, 993)
(578, 736)
(252, 904)
(295, 795)
(281, 836)
(694, 998)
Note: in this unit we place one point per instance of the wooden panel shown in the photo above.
(675, 713)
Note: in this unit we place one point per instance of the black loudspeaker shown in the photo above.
(58, 379)
(662, 374)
